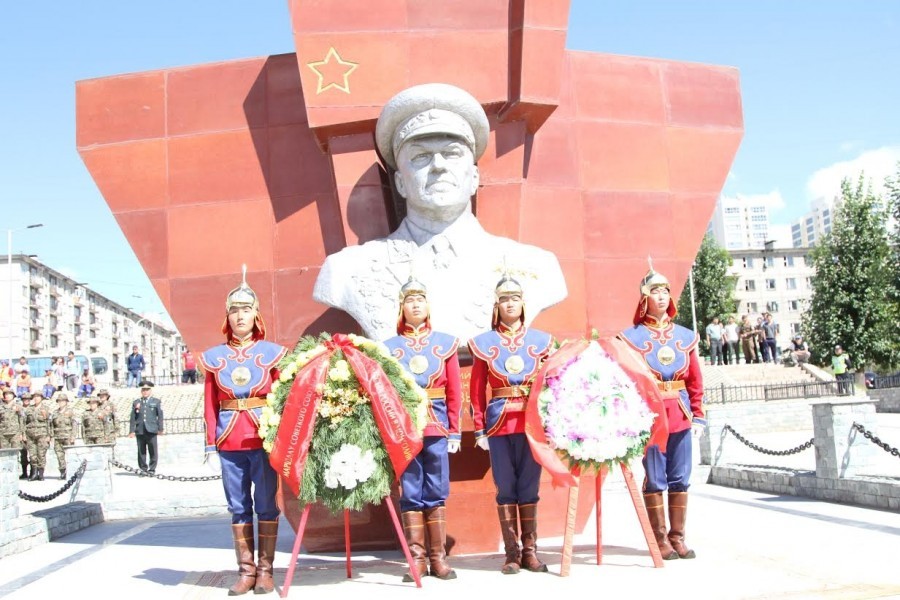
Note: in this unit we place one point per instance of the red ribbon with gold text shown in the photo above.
(291, 447)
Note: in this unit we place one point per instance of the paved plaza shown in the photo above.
(749, 545)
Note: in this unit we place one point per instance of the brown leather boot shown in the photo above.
(436, 524)
(265, 548)
(414, 529)
(243, 548)
(509, 527)
(678, 515)
(657, 514)
(528, 517)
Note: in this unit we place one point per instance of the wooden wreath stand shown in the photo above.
(289, 576)
(655, 554)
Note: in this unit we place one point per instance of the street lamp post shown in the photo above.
(9, 326)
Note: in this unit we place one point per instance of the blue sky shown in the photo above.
(818, 80)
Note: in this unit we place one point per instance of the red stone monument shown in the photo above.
(601, 159)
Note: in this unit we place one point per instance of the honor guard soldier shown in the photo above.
(431, 357)
(93, 423)
(507, 359)
(670, 351)
(12, 433)
(240, 373)
(108, 412)
(37, 435)
(62, 429)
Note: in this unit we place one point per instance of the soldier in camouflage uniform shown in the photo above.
(109, 417)
(93, 423)
(37, 435)
(62, 427)
(11, 432)
(23, 453)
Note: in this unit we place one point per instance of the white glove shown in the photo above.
(452, 446)
(482, 443)
(212, 462)
(697, 430)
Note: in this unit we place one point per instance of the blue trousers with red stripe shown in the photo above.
(670, 470)
(242, 469)
(426, 481)
(516, 474)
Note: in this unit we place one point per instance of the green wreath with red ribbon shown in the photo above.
(343, 421)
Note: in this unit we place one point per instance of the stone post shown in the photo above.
(96, 483)
(9, 486)
(841, 451)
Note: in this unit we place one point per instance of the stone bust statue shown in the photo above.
(431, 136)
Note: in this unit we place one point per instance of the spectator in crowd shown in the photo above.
(188, 367)
(145, 423)
(87, 384)
(73, 372)
(49, 388)
(714, 335)
(20, 366)
(59, 373)
(6, 374)
(135, 366)
(748, 340)
(762, 350)
(841, 365)
(23, 383)
(732, 339)
(799, 350)
(770, 330)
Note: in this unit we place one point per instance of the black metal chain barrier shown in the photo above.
(875, 439)
(746, 442)
(140, 473)
(65, 486)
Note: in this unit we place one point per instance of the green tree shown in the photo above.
(851, 302)
(713, 288)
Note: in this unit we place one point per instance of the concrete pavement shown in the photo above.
(749, 545)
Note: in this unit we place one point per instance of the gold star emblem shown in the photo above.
(334, 70)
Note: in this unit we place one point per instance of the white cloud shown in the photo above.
(782, 235)
(876, 164)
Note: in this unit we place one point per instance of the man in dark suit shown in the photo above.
(145, 423)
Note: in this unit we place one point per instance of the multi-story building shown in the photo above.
(740, 222)
(46, 312)
(777, 280)
(812, 226)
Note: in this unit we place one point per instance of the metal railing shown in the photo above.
(176, 425)
(724, 394)
(881, 382)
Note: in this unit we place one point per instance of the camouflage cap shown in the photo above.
(9, 391)
(103, 392)
(93, 399)
(26, 396)
(62, 397)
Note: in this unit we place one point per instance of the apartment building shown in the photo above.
(776, 280)
(47, 313)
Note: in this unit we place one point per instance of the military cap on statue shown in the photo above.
(430, 109)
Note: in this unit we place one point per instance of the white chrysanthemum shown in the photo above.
(349, 467)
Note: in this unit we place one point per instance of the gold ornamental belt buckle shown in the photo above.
(241, 376)
(418, 364)
(667, 385)
(514, 364)
(665, 356)
(242, 403)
